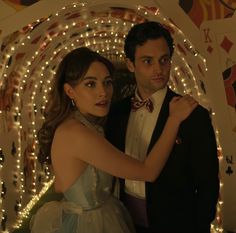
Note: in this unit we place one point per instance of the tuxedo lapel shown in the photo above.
(163, 115)
(124, 124)
(120, 117)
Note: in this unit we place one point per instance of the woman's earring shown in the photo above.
(73, 102)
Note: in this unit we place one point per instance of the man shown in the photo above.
(184, 197)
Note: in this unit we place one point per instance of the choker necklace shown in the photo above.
(88, 123)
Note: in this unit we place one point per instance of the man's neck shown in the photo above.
(142, 94)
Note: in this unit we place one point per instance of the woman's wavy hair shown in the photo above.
(72, 68)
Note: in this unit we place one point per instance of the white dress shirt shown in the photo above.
(138, 135)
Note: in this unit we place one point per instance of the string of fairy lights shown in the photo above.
(104, 34)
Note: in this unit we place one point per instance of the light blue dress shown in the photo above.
(88, 207)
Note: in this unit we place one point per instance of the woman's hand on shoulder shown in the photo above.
(181, 107)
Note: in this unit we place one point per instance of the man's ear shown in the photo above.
(130, 65)
(69, 90)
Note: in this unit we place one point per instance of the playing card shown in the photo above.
(219, 37)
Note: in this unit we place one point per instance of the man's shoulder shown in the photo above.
(199, 115)
(200, 109)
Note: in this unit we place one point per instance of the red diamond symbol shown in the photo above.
(209, 49)
(226, 44)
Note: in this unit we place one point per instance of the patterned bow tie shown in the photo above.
(136, 104)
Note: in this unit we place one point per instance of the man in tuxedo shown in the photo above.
(184, 197)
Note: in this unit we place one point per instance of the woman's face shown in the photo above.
(93, 94)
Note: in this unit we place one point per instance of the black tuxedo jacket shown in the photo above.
(184, 197)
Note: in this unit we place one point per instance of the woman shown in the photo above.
(72, 140)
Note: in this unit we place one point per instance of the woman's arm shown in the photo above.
(92, 148)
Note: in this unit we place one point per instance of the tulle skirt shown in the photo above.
(65, 217)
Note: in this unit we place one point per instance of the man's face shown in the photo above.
(151, 66)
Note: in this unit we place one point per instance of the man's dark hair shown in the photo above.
(142, 32)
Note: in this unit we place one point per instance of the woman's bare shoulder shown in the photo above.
(66, 138)
(69, 127)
